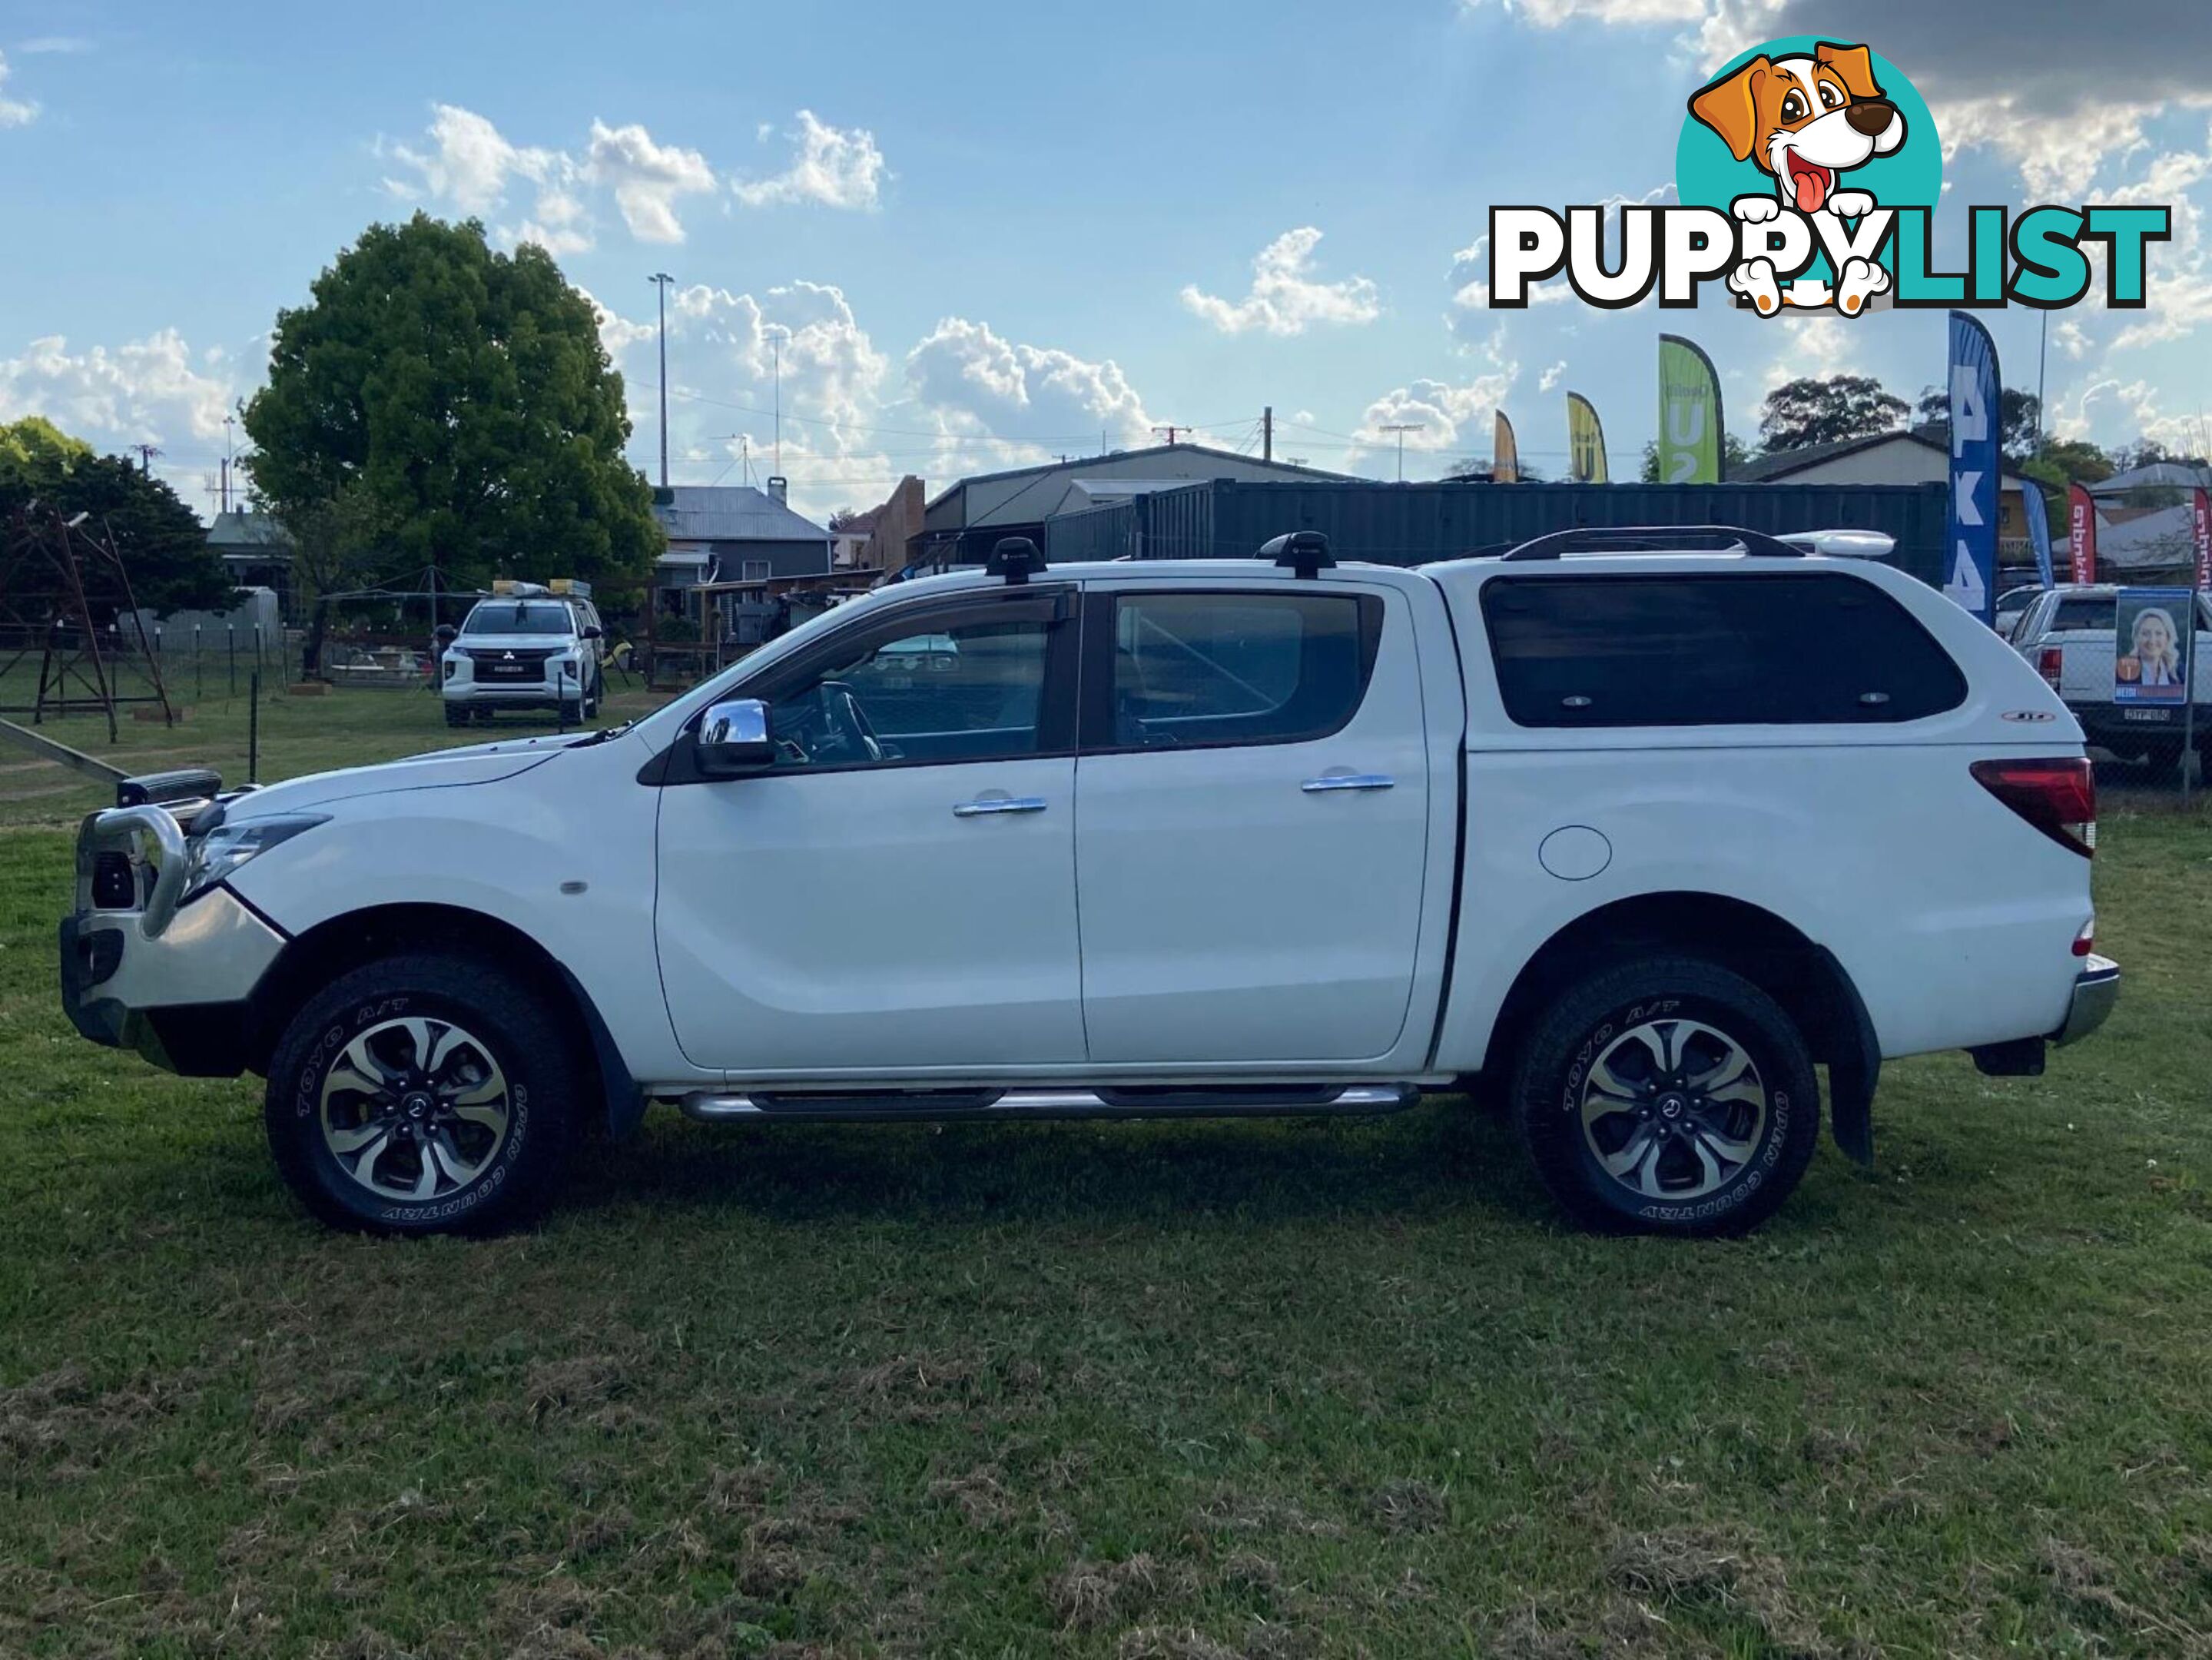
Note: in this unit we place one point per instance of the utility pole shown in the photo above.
(2043, 362)
(1268, 433)
(1402, 428)
(230, 423)
(146, 454)
(660, 280)
(779, 408)
(1170, 432)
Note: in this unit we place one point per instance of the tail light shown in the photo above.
(2058, 796)
(2050, 664)
(2085, 941)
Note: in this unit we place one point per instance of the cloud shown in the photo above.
(55, 46)
(148, 391)
(13, 113)
(834, 168)
(974, 382)
(1285, 297)
(1550, 14)
(1442, 410)
(1551, 377)
(469, 162)
(646, 179)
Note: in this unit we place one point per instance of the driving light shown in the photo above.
(213, 857)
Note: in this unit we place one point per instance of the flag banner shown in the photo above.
(1505, 455)
(2037, 506)
(1690, 426)
(1585, 442)
(2200, 519)
(1971, 573)
(2081, 532)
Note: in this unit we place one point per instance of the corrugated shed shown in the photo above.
(1417, 524)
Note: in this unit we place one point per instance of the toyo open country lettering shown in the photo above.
(1631, 830)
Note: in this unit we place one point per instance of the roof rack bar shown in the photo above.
(1652, 538)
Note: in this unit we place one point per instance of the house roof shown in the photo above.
(730, 512)
(1078, 463)
(238, 532)
(2171, 475)
(1781, 464)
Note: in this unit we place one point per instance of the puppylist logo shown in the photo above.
(1808, 172)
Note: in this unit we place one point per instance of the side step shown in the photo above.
(1135, 1101)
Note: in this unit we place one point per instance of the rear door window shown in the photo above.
(2094, 615)
(1677, 650)
(1184, 671)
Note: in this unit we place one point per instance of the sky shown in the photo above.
(980, 235)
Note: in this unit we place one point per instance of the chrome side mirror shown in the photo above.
(734, 739)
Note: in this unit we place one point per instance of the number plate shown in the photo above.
(2152, 717)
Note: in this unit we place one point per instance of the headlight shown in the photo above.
(211, 858)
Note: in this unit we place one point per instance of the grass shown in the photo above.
(1181, 1390)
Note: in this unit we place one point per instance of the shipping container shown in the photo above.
(1419, 524)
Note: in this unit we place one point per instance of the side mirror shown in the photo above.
(594, 631)
(734, 739)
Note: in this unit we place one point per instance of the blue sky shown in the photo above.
(984, 233)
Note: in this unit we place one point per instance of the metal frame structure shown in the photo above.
(46, 606)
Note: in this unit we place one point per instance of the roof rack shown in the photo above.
(1014, 558)
(1652, 538)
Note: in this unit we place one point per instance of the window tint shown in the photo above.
(520, 616)
(1201, 669)
(2085, 614)
(971, 691)
(1682, 651)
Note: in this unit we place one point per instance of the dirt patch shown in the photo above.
(1689, 1567)
(1088, 1595)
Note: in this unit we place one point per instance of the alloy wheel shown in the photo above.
(1673, 1110)
(414, 1109)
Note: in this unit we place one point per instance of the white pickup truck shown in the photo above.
(2067, 633)
(1632, 839)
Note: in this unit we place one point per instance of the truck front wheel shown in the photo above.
(424, 1093)
(1667, 1095)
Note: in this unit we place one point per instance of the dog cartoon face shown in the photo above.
(1805, 119)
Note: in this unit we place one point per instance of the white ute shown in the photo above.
(1629, 830)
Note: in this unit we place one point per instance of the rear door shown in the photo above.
(1253, 822)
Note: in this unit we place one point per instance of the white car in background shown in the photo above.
(524, 652)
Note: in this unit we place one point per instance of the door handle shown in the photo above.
(1347, 780)
(984, 806)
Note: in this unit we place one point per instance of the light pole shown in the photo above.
(1402, 430)
(660, 280)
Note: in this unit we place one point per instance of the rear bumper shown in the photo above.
(2096, 988)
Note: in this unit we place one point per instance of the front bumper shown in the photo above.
(2096, 988)
(174, 982)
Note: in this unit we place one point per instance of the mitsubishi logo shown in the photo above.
(507, 657)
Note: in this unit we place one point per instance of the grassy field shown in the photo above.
(1160, 1391)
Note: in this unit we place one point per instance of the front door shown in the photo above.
(1254, 824)
(895, 893)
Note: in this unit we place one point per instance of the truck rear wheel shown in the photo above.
(425, 1093)
(1667, 1095)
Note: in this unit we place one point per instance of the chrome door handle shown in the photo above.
(1348, 781)
(984, 804)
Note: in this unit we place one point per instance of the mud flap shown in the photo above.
(1854, 1068)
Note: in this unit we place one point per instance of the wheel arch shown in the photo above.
(1804, 976)
(353, 939)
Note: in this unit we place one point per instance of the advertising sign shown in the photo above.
(1689, 414)
(2151, 646)
(2081, 533)
(1971, 578)
(2200, 522)
(1585, 441)
(1504, 453)
(2039, 527)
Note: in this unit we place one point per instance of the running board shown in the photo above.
(1140, 1101)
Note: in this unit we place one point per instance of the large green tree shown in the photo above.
(1810, 412)
(438, 402)
(48, 477)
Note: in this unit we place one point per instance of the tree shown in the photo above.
(2019, 421)
(1733, 455)
(438, 403)
(162, 544)
(2062, 462)
(1808, 411)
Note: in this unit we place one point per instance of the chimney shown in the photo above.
(776, 487)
